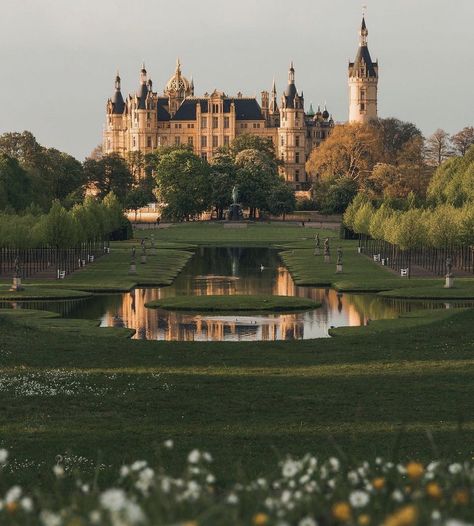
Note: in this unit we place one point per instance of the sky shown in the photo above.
(58, 58)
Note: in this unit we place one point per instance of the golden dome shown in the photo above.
(177, 82)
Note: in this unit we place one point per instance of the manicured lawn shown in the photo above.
(371, 391)
(31, 292)
(234, 303)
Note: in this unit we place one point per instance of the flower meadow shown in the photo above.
(300, 491)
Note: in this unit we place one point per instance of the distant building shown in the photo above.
(146, 120)
(363, 82)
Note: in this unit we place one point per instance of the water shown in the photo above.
(221, 270)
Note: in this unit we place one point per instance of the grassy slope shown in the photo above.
(234, 303)
(111, 272)
(248, 403)
(34, 292)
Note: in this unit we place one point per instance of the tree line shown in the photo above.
(386, 158)
(445, 219)
(91, 221)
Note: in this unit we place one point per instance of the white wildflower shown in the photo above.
(13, 494)
(435, 515)
(210, 479)
(285, 496)
(353, 477)
(95, 517)
(359, 499)
(332, 483)
(133, 513)
(289, 469)
(165, 485)
(397, 496)
(334, 463)
(113, 499)
(27, 504)
(232, 498)
(85, 488)
(207, 456)
(262, 482)
(138, 465)
(194, 457)
(124, 471)
(168, 444)
(432, 466)
(48, 518)
(307, 521)
(3, 456)
(58, 471)
(455, 468)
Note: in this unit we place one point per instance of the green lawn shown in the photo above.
(32, 292)
(371, 391)
(235, 303)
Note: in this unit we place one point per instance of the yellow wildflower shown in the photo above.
(378, 483)
(260, 519)
(341, 511)
(434, 490)
(415, 470)
(405, 516)
(461, 497)
(363, 520)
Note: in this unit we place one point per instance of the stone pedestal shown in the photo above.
(327, 259)
(339, 268)
(360, 250)
(143, 260)
(449, 282)
(235, 212)
(133, 268)
(16, 285)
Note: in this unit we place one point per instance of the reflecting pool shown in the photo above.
(222, 270)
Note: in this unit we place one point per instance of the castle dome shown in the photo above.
(178, 82)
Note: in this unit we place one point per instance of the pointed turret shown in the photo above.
(363, 81)
(290, 92)
(118, 104)
(142, 92)
(273, 99)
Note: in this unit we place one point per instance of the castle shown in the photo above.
(146, 120)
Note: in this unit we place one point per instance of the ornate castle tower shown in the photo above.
(292, 132)
(363, 81)
(116, 122)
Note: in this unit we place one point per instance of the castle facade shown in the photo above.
(146, 120)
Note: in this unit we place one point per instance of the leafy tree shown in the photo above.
(248, 141)
(223, 177)
(352, 150)
(334, 196)
(463, 140)
(108, 174)
(395, 136)
(438, 147)
(59, 227)
(137, 198)
(281, 199)
(15, 186)
(183, 184)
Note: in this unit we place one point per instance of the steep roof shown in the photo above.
(363, 56)
(118, 104)
(162, 112)
(245, 109)
(142, 95)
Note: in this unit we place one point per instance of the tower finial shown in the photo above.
(363, 32)
(291, 74)
(274, 90)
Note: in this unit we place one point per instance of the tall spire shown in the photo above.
(274, 90)
(364, 33)
(143, 74)
(117, 81)
(118, 104)
(291, 74)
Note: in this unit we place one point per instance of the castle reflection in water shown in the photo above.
(157, 324)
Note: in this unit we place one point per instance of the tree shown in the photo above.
(334, 196)
(183, 184)
(137, 198)
(281, 200)
(15, 185)
(438, 147)
(223, 175)
(352, 150)
(395, 135)
(257, 175)
(59, 227)
(463, 140)
(248, 141)
(108, 174)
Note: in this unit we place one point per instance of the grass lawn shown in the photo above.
(31, 292)
(396, 388)
(234, 303)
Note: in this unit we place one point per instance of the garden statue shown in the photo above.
(235, 209)
(143, 258)
(134, 250)
(339, 260)
(449, 284)
(317, 248)
(327, 252)
(133, 265)
(16, 285)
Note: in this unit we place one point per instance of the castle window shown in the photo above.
(204, 156)
(215, 122)
(148, 115)
(148, 142)
(226, 140)
(203, 141)
(297, 157)
(226, 122)
(134, 142)
(297, 140)
(108, 144)
(297, 175)
(362, 106)
(177, 140)
(215, 141)
(282, 140)
(203, 122)
(190, 141)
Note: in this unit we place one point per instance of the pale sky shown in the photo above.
(58, 58)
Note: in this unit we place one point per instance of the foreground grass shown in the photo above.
(400, 388)
(235, 303)
(31, 292)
